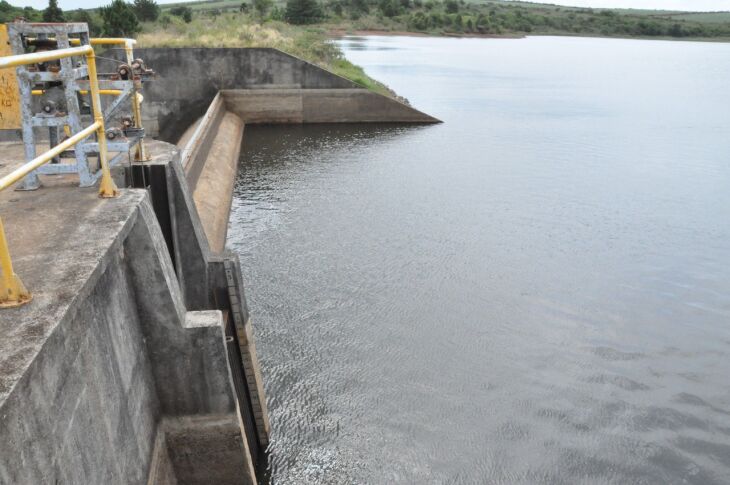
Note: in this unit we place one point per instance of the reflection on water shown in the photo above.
(535, 291)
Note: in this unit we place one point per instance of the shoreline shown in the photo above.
(406, 33)
(340, 33)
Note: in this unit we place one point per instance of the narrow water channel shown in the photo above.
(535, 291)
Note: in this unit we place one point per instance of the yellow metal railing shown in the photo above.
(111, 92)
(92, 41)
(13, 293)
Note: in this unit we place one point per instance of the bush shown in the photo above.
(359, 7)
(389, 8)
(336, 8)
(301, 12)
(146, 10)
(185, 13)
(262, 7)
(452, 6)
(84, 17)
(278, 14)
(419, 21)
(119, 20)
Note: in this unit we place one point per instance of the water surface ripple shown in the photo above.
(536, 291)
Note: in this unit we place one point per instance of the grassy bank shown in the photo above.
(310, 43)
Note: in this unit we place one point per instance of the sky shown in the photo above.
(689, 5)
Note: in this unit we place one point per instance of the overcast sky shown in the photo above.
(689, 5)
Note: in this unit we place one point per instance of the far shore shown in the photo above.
(404, 33)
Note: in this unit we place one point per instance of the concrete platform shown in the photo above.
(95, 368)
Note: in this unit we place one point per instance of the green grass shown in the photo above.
(345, 68)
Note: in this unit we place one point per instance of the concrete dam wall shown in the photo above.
(136, 361)
(275, 87)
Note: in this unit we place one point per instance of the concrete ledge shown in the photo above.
(205, 450)
(319, 106)
(196, 149)
(213, 189)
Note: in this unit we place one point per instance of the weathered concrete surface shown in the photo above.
(106, 349)
(189, 78)
(182, 142)
(208, 279)
(194, 153)
(202, 448)
(213, 193)
(319, 106)
(162, 471)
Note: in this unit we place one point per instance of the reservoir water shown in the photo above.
(535, 291)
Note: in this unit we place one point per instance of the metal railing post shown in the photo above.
(13, 291)
(140, 154)
(107, 188)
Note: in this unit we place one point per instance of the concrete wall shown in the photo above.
(209, 277)
(120, 369)
(123, 354)
(196, 148)
(189, 78)
(319, 106)
(213, 190)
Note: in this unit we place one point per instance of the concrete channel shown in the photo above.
(136, 361)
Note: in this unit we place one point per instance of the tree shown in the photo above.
(336, 7)
(53, 13)
(483, 25)
(146, 10)
(277, 13)
(676, 30)
(186, 13)
(419, 21)
(32, 15)
(84, 17)
(452, 6)
(119, 19)
(8, 13)
(300, 12)
(359, 7)
(243, 8)
(262, 7)
(389, 8)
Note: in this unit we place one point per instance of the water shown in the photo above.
(535, 291)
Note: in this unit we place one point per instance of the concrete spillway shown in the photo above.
(135, 362)
(263, 86)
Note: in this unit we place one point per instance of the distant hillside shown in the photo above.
(490, 17)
